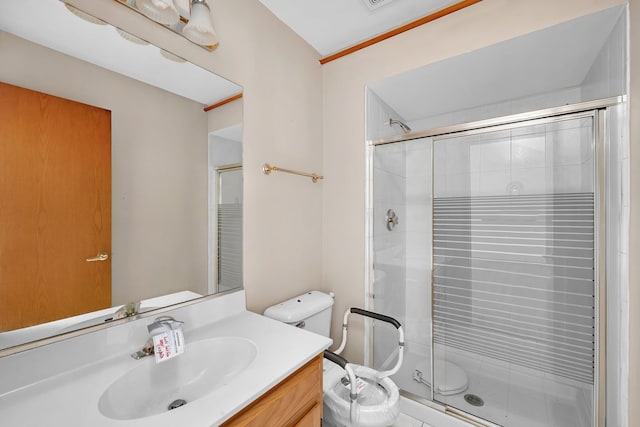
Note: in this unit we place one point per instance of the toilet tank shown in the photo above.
(310, 311)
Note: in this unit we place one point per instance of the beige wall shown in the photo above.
(159, 178)
(225, 116)
(282, 126)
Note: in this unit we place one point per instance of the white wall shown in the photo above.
(401, 257)
(515, 106)
(419, 251)
(388, 247)
(378, 115)
(223, 151)
(617, 268)
(607, 76)
(545, 159)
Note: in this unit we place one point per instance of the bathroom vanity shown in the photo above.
(296, 401)
(238, 369)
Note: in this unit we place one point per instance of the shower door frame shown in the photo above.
(595, 109)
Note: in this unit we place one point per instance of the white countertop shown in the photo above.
(71, 398)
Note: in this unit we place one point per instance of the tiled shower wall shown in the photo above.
(513, 217)
(405, 292)
(402, 256)
(617, 229)
(606, 77)
(514, 279)
(419, 237)
(388, 248)
(378, 115)
(521, 161)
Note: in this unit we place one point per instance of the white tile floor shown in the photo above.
(406, 421)
(513, 397)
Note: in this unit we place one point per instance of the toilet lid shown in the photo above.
(449, 377)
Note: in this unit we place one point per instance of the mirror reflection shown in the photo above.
(109, 175)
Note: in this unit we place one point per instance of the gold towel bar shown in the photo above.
(267, 169)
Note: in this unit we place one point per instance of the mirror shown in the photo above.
(154, 220)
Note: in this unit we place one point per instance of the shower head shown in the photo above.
(405, 128)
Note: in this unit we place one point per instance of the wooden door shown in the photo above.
(55, 207)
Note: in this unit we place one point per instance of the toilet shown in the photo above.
(450, 379)
(312, 312)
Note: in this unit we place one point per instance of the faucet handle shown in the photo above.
(164, 321)
(127, 310)
(147, 350)
(167, 336)
(166, 341)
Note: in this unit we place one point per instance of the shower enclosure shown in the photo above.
(228, 219)
(486, 242)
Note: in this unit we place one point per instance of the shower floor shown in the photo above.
(513, 396)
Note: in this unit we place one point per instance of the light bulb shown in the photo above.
(200, 27)
(162, 11)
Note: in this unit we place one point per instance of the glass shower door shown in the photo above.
(229, 228)
(513, 270)
(401, 255)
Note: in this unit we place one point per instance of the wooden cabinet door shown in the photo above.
(55, 207)
(296, 401)
(312, 418)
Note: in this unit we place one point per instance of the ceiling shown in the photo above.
(540, 62)
(333, 25)
(102, 45)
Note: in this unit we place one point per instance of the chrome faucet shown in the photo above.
(147, 350)
(158, 323)
(127, 310)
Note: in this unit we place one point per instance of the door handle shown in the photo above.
(102, 256)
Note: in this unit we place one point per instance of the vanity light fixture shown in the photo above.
(84, 16)
(199, 29)
(130, 37)
(191, 18)
(162, 11)
(171, 57)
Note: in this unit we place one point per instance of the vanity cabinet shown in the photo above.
(296, 401)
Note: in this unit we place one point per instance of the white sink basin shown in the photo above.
(150, 388)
